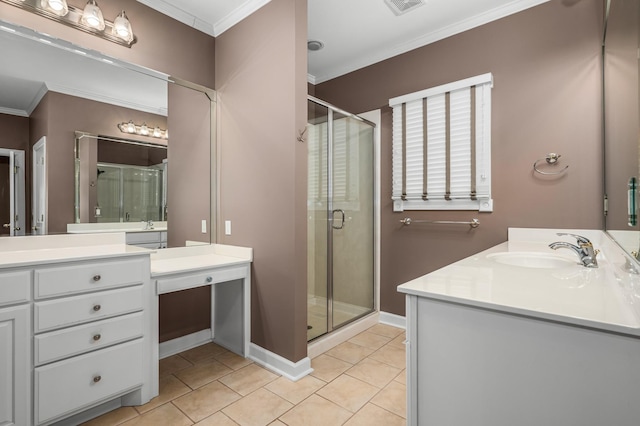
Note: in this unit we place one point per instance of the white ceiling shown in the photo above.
(356, 33)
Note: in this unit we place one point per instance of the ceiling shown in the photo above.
(355, 34)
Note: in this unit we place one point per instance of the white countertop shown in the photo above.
(99, 228)
(195, 258)
(607, 297)
(33, 250)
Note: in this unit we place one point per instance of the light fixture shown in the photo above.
(122, 27)
(92, 16)
(58, 7)
(142, 130)
(88, 19)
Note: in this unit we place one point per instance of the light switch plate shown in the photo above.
(227, 227)
(204, 226)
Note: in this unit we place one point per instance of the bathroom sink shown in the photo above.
(531, 260)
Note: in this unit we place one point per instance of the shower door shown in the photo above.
(341, 218)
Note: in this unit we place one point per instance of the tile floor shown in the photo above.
(359, 382)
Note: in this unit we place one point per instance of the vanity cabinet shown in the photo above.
(76, 335)
(15, 347)
(14, 366)
(88, 334)
(148, 239)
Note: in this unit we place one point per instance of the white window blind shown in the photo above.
(442, 147)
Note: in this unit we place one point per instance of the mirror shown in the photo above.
(51, 88)
(119, 180)
(622, 121)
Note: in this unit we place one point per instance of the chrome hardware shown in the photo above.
(551, 159)
(96, 308)
(584, 249)
(473, 223)
(6, 225)
(342, 221)
(96, 337)
(96, 278)
(96, 379)
(209, 279)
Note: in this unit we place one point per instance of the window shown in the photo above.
(442, 147)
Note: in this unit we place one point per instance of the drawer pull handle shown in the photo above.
(96, 337)
(96, 278)
(209, 279)
(96, 308)
(96, 379)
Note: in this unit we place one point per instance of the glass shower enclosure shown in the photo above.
(340, 207)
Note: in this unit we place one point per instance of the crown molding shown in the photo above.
(37, 98)
(11, 111)
(99, 97)
(179, 15)
(214, 29)
(237, 15)
(311, 79)
(428, 38)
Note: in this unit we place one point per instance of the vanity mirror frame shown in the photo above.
(621, 122)
(210, 118)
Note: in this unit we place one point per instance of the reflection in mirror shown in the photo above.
(621, 121)
(50, 88)
(119, 180)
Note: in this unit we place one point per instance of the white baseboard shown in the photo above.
(277, 364)
(180, 344)
(393, 320)
(333, 339)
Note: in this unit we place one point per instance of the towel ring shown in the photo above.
(551, 159)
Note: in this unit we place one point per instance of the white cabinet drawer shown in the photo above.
(75, 310)
(85, 277)
(143, 237)
(76, 383)
(15, 287)
(56, 345)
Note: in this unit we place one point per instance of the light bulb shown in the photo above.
(144, 130)
(59, 7)
(92, 16)
(131, 128)
(122, 28)
(157, 132)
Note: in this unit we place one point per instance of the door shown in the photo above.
(14, 368)
(351, 220)
(12, 194)
(39, 195)
(341, 282)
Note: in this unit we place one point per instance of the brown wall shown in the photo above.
(57, 117)
(261, 83)
(546, 98)
(164, 44)
(190, 157)
(14, 134)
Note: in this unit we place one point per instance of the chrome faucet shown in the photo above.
(584, 249)
(148, 224)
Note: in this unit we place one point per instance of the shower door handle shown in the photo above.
(341, 220)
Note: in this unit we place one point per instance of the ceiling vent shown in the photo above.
(400, 7)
